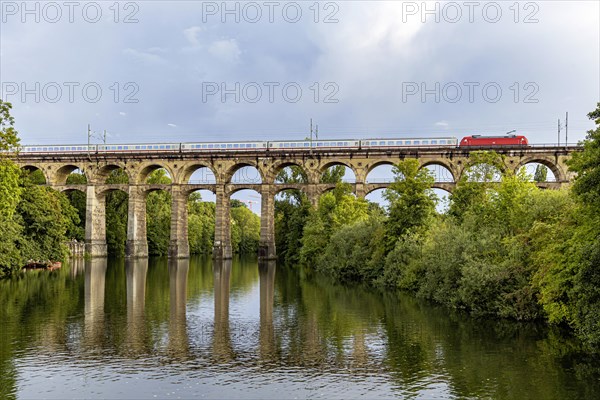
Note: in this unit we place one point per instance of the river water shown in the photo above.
(190, 329)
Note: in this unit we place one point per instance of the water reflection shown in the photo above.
(221, 340)
(268, 346)
(95, 279)
(178, 331)
(133, 328)
(136, 271)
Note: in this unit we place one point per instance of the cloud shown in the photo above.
(442, 123)
(226, 50)
(172, 125)
(191, 34)
(145, 57)
(121, 113)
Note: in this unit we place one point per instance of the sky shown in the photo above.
(190, 71)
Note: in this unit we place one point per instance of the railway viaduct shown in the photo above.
(181, 165)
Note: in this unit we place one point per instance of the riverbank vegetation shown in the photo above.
(504, 249)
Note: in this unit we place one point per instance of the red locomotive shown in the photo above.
(486, 141)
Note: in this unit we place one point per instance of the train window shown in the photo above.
(442, 142)
(229, 146)
(254, 145)
(416, 142)
(235, 146)
(425, 141)
(434, 142)
(306, 144)
(382, 143)
(45, 149)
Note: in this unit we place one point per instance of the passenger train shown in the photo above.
(291, 145)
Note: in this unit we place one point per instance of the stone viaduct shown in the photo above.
(56, 167)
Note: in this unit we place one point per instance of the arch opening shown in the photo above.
(383, 173)
(246, 174)
(245, 210)
(482, 172)
(440, 172)
(337, 172)
(200, 175)
(442, 200)
(376, 198)
(116, 205)
(157, 175)
(113, 174)
(289, 183)
(70, 175)
(158, 213)
(201, 221)
(34, 175)
(538, 172)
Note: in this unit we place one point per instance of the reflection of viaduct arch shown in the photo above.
(224, 163)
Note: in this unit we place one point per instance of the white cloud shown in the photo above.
(146, 57)
(191, 34)
(442, 123)
(172, 125)
(226, 50)
(121, 113)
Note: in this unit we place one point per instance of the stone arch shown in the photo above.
(445, 165)
(198, 188)
(369, 179)
(32, 168)
(103, 191)
(186, 172)
(156, 188)
(231, 171)
(62, 174)
(378, 163)
(103, 172)
(332, 163)
(558, 172)
(501, 169)
(145, 170)
(71, 189)
(277, 168)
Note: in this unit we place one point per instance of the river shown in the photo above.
(190, 329)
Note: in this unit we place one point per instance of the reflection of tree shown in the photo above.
(178, 336)
(222, 348)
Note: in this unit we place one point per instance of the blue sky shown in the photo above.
(361, 69)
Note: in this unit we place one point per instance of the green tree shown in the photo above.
(158, 215)
(541, 173)
(9, 138)
(412, 202)
(116, 214)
